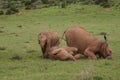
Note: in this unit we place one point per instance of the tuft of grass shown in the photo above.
(15, 34)
(107, 64)
(16, 57)
(86, 73)
(1, 31)
(31, 51)
(97, 78)
(27, 42)
(20, 26)
(2, 48)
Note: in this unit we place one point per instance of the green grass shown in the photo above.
(19, 33)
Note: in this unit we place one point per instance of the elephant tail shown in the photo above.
(63, 36)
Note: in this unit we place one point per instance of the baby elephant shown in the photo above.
(57, 53)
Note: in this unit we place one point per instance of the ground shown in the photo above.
(20, 53)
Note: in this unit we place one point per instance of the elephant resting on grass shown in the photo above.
(86, 43)
(47, 39)
(57, 53)
(49, 42)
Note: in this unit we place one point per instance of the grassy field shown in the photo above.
(18, 38)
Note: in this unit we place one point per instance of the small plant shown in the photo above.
(64, 4)
(117, 6)
(1, 31)
(28, 7)
(103, 3)
(86, 73)
(27, 2)
(31, 4)
(107, 64)
(2, 48)
(31, 51)
(9, 12)
(16, 57)
(12, 10)
(1, 12)
(45, 1)
(27, 42)
(97, 78)
(20, 26)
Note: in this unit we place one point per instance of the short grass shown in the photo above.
(20, 54)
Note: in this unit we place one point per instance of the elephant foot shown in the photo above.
(77, 56)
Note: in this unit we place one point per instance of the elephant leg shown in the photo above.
(47, 48)
(45, 55)
(72, 57)
(90, 54)
(77, 56)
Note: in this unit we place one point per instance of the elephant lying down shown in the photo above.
(57, 53)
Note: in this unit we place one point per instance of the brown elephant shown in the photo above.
(48, 39)
(57, 53)
(86, 43)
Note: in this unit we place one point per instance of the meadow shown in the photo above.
(21, 56)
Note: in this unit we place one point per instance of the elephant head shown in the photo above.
(105, 49)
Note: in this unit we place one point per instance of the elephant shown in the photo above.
(87, 44)
(46, 40)
(64, 53)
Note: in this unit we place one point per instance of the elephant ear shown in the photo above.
(42, 39)
(44, 47)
